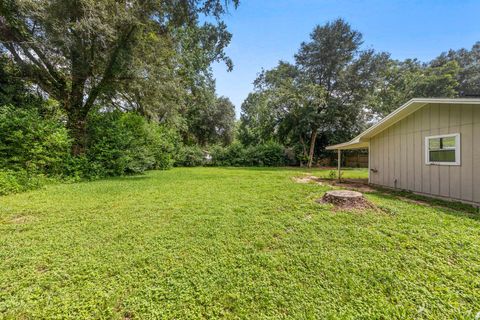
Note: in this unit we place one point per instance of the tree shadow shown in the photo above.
(451, 207)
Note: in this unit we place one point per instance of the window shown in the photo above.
(443, 150)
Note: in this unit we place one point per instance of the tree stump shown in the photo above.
(346, 199)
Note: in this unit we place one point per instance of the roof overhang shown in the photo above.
(362, 140)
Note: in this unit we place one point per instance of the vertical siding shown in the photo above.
(464, 125)
(443, 171)
(435, 130)
(410, 149)
(455, 172)
(398, 153)
(397, 180)
(391, 158)
(425, 132)
(403, 155)
(476, 155)
(385, 168)
(417, 159)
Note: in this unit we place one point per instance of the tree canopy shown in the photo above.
(82, 51)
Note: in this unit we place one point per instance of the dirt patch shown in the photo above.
(42, 268)
(307, 179)
(360, 185)
(20, 219)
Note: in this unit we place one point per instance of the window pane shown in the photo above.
(434, 144)
(449, 142)
(442, 156)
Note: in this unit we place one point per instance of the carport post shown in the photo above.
(339, 163)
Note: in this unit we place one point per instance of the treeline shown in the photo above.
(335, 89)
(91, 89)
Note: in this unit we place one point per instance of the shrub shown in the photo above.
(31, 142)
(333, 174)
(233, 155)
(190, 156)
(162, 144)
(125, 143)
(268, 155)
(18, 181)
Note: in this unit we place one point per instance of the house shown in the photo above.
(427, 146)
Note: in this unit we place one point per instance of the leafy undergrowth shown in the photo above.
(235, 243)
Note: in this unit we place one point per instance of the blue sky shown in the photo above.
(266, 31)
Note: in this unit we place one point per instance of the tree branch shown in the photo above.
(108, 74)
(32, 72)
(10, 34)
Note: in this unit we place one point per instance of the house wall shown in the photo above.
(398, 153)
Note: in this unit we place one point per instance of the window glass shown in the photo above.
(448, 142)
(442, 149)
(442, 156)
(434, 143)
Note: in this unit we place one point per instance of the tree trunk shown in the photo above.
(77, 125)
(313, 140)
(304, 150)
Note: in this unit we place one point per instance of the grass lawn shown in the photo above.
(235, 243)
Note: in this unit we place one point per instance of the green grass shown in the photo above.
(234, 243)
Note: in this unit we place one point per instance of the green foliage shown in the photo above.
(332, 174)
(468, 75)
(19, 181)
(266, 155)
(269, 154)
(31, 142)
(234, 155)
(13, 89)
(141, 54)
(119, 143)
(404, 80)
(211, 121)
(190, 156)
(125, 143)
(324, 95)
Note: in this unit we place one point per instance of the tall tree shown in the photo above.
(468, 76)
(334, 61)
(263, 111)
(211, 123)
(80, 51)
(256, 120)
(404, 80)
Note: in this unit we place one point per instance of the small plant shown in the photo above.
(332, 174)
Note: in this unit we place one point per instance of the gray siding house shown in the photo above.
(427, 146)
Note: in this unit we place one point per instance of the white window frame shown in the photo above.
(457, 150)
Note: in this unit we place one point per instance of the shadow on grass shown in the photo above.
(129, 178)
(293, 168)
(449, 207)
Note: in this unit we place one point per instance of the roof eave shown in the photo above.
(400, 113)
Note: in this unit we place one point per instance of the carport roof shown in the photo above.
(362, 140)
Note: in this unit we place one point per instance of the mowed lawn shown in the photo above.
(234, 243)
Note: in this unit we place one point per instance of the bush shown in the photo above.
(18, 181)
(125, 143)
(265, 155)
(233, 155)
(190, 156)
(31, 142)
